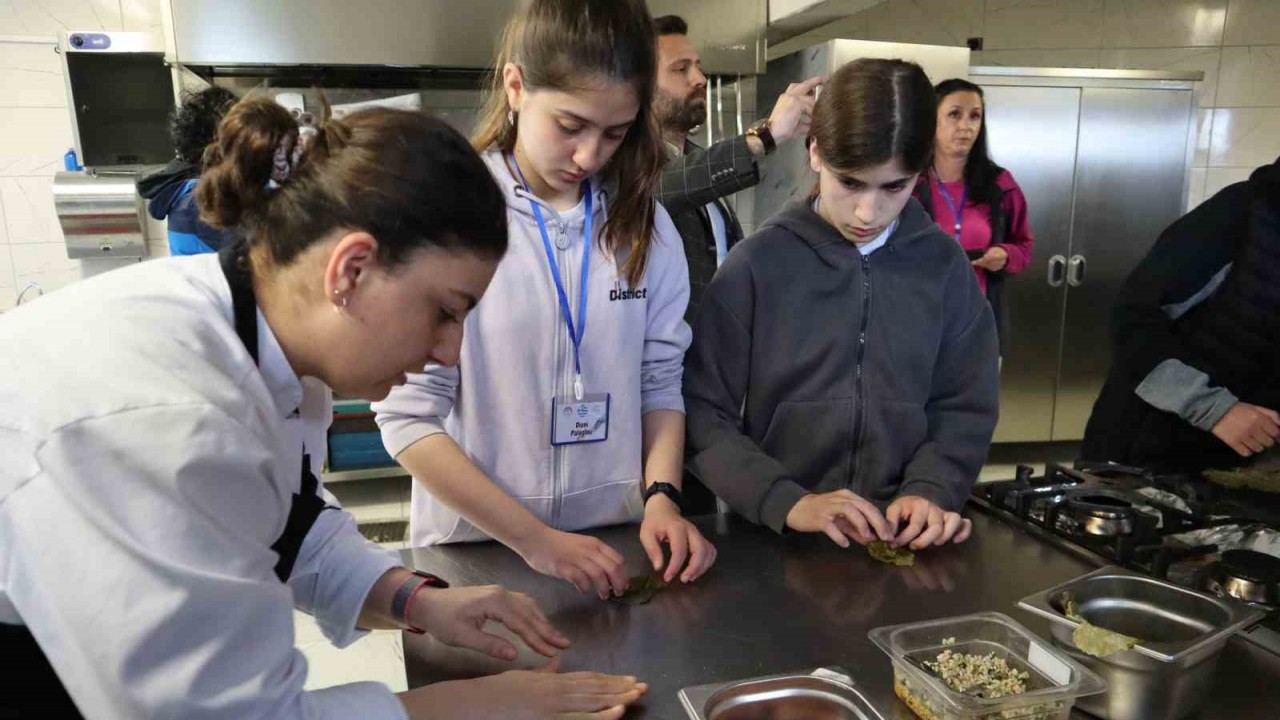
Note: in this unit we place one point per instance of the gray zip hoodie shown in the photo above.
(516, 355)
(815, 368)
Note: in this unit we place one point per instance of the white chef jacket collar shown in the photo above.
(282, 382)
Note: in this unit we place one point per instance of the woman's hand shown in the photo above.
(841, 515)
(664, 524)
(927, 523)
(582, 561)
(456, 617)
(993, 260)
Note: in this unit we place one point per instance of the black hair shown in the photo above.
(980, 171)
(670, 25)
(873, 111)
(194, 123)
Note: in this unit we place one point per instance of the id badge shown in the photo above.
(580, 421)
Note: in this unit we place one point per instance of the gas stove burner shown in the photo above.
(1102, 515)
(1246, 575)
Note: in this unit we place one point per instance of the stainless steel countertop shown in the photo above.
(774, 605)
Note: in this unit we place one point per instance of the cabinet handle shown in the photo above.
(1057, 270)
(1076, 270)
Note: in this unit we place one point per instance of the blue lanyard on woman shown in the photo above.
(575, 335)
(957, 211)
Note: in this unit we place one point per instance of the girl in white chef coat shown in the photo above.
(159, 513)
(565, 411)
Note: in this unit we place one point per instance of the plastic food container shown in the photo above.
(1054, 684)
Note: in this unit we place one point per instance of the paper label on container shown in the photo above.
(1045, 662)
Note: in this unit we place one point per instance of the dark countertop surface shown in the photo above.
(773, 605)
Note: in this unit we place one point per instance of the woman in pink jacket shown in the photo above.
(974, 200)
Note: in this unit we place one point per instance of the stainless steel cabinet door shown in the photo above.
(1129, 187)
(1032, 132)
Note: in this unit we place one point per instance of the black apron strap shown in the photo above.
(39, 693)
(244, 306)
(307, 503)
(307, 506)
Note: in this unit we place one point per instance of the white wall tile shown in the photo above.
(1204, 134)
(31, 76)
(29, 214)
(8, 298)
(1250, 76)
(1195, 194)
(1086, 58)
(50, 17)
(929, 22)
(6, 268)
(1016, 24)
(141, 15)
(33, 141)
(1163, 23)
(1204, 59)
(1244, 137)
(4, 233)
(1253, 22)
(1218, 178)
(45, 264)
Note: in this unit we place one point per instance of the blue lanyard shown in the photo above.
(956, 212)
(588, 223)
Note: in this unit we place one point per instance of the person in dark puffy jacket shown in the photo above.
(1195, 380)
(170, 190)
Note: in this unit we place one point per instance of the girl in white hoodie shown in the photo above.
(564, 411)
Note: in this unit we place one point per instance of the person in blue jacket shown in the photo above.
(170, 190)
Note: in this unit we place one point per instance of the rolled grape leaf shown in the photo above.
(886, 553)
(1091, 639)
(1265, 479)
(641, 590)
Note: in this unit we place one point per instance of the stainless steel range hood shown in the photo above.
(414, 34)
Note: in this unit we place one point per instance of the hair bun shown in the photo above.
(233, 189)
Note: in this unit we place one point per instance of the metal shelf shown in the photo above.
(363, 474)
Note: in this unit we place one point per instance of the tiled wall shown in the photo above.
(1235, 42)
(35, 130)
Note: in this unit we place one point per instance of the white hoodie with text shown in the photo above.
(517, 355)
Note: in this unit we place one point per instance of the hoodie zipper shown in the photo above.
(564, 349)
(859, 401)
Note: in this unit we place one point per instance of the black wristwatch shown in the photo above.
(762, 132)
(662, 488)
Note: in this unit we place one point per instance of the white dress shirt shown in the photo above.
(149, 465)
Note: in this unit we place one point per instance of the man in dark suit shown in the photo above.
(696, 180)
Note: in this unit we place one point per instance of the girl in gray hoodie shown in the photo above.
(564, 410)
(843, 372)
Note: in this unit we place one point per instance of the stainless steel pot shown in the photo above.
(1181, 632)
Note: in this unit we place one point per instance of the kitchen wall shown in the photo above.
(35, 130)
(1235, 42)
